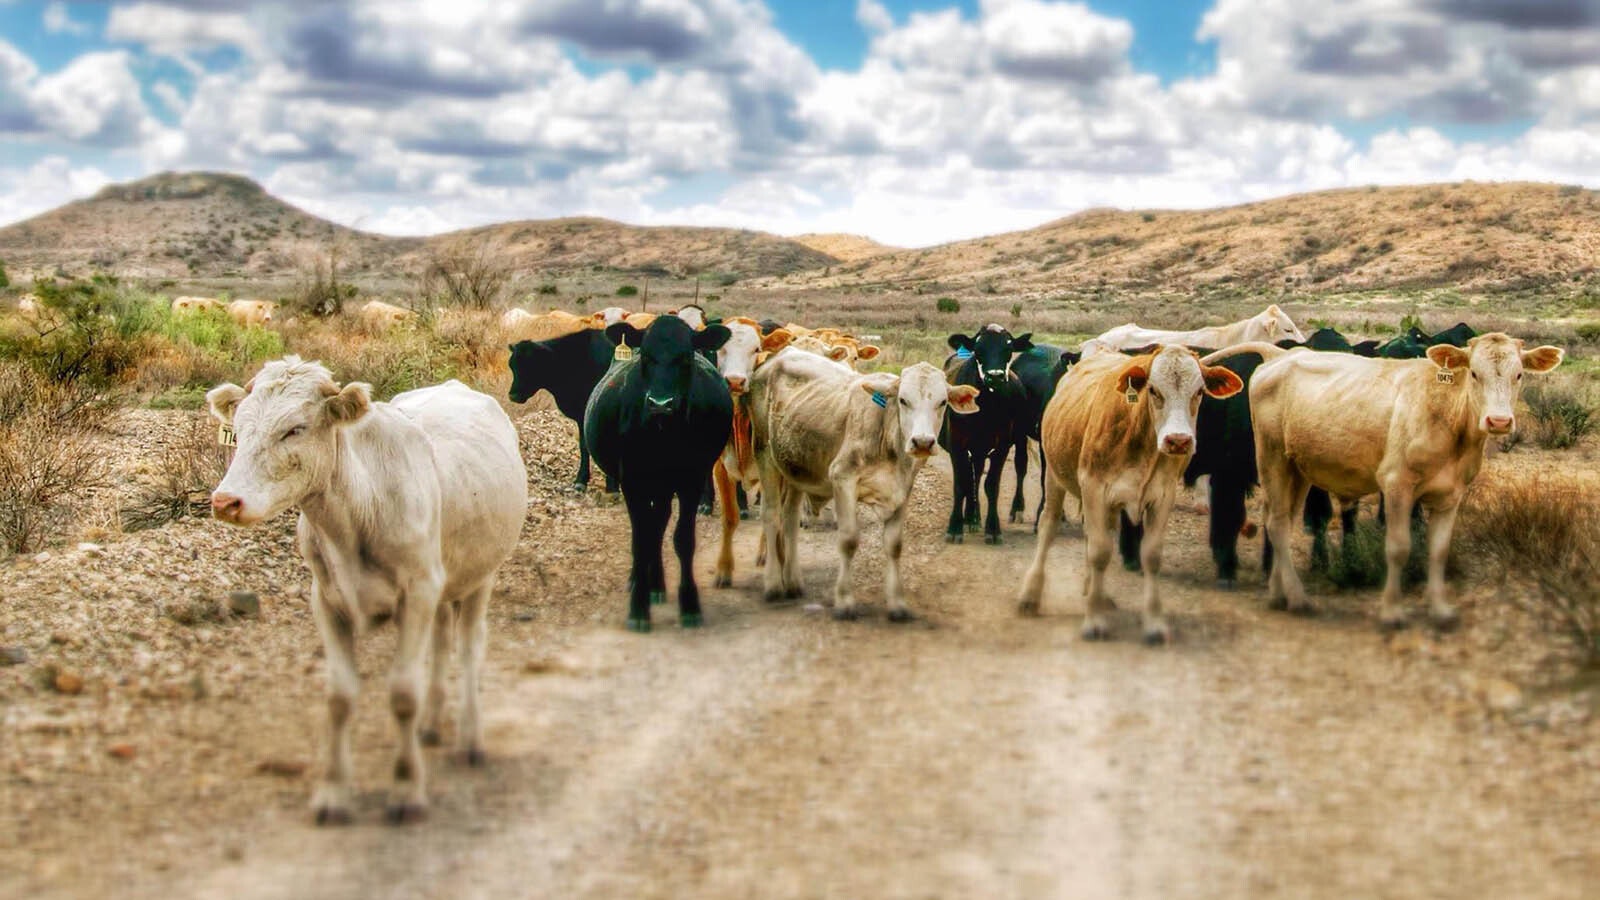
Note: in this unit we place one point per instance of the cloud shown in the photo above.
(94, 100)
(173, 31)
(56, 20)
(873, 16)
(26, 192)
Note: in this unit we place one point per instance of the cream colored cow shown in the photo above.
(252, 312)
(1268, 326)
(381, 316)
(195, 304)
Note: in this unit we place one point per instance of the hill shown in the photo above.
(1474, 235)
(844, 247)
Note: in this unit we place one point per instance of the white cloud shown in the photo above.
(873, 16)
(176, 32)
(26, 192)
(94, 100)
(57, 20)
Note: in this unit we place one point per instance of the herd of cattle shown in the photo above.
(409, 507)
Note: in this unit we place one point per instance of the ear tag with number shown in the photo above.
(226, 437)
(880, 399)
(1132, 396)
(1445, 376)
(622, 352)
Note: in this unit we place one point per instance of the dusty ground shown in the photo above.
(778, 753)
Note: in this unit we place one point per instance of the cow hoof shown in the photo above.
(794, 593)
(405, 813)
(1279, 604)
(991, 539)
(846, 614)
(773, 596)
(900, 615)
(722, 581)
(691, 620)
(658, 597)
(430, 737)
(474, 757)
(333, 815)
(974, 527)
(1096, 631)
(954, 537)
(1132, 565)
(1157, 636)
(1016, 517)
(640, 625)
(745, 515)
(1027, 607)
(1444, 619)
(1226, 584)
(1392, 623)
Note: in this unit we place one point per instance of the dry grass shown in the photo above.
(1561, 412)
(180, 484)
(50, 453)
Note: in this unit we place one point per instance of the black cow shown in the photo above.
(1001, 423)
(656, 423)
(568, 367)
(1039, 370)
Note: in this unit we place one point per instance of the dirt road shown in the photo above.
(971, 753)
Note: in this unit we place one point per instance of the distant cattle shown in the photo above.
(1270, 325)
(825, 432)
(694, 314)
(984, 439)
(656, 424)
(252, 312)
(407, 509)
(1412, 430)
(568, 367)
(1117, 434)
(736, 469)
(521, 325)
(380, 316)
(195, 304)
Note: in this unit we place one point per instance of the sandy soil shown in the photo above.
(778, 753)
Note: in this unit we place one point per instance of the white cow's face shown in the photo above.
(736, 360)
(284, 423)
(1273, 324)
(1495, 363)
(611, 315)
(919, 396)
(694, 315)
(1171, 381)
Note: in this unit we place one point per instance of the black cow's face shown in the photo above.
(992, 347)
(530, 364)
(666, 359)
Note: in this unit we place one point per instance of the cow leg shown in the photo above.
(743, 500)
(408, 798)
(1348, 511)
(1285, 490)
(844, 504)
(973, 515)
(438, 662)
(1397, 502)
(708, 493)
(1020, 461)
(730, 523)
(1318, 514)
(955, 532)
(1044, 474)
(789, 551)
(581, 482)
(472, 633)
(689, 615)
(331, 800)
(1098, 522)
(1129, 537)
(1049, 523)
(893, 539)
(1156, 629)
(1227, 517)
(991, 493)
(1441, 524)
(641, 519)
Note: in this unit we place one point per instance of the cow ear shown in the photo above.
(347, 405)
(882, 383)
(776, 340)
(868, 351)
(838, 354)
(1542, 359)
(1221, 382)
(959, 342)
(223, 400)
(1447, 357)
(623, 333)
(1022, 343)
(1133, 377)
(963, 398)
(711, 337)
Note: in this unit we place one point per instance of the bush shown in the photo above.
(190, 465)
(1016, 310)
(1541, 531)
(627, 290)
(471, 273)
(1589, 331)
(50, 454)
(1361, 560)
(947, 305)
(1560, 417)
(549, 289)
(5, 280)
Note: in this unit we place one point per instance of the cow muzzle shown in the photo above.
(662, 406)
(1498, 424)
(922, 446)
(227, 507)
(1177, 444)
(994, 378)
(736, 384)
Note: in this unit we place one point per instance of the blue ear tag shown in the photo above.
(963, 353)
(880, 399)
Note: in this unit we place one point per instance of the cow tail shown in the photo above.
(1261, 348)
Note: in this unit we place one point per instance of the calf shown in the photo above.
(568, 367)
(1413, 430)
(736, 469)
(194, 304)
(825, 432)
(252, 312)
(656, 424)
(1118, 434)
(1001, 425)
(1271, 324)
(380, 316)
(407, 509)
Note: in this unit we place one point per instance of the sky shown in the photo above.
(910, 121)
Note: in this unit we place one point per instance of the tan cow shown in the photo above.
(737, 360)
(381, 316)
(252, 312)
(821, 430)
(1268, 326)
(521, 325)
(1412, 429)
(1118, 434)
(194, 304)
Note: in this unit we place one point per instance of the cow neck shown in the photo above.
(347, 504)
(887, 418)
(1457, 404)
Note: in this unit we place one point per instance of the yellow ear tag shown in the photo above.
(1132, 395)
(1445, 376)
(622, 352)
(225, 436)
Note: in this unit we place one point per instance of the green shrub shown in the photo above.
(1589, 331)
(549, 289)
(5, 280)
(947, 305)
(1361, 561)
(627, 290)
(1560, 417)
(1016, 310)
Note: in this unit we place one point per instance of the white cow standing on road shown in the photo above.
(407, 509)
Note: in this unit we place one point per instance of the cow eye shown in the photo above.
(293, 432)
(904, 402)
(1519, 376)
(1474, 376)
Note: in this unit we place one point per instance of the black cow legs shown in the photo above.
(689, 615)
(956, 531)
(991, 493)
(647, 514)
(1227, 518)
(1129, 538)
(1021, 462)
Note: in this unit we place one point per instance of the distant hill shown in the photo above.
(1474, 235)
(844, 247)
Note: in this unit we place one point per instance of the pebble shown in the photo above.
(42, 556)
(91, 549)
(122, 751)
(244, 603)
(13, 656)
(284, 768)
(1501, 696)
(812, 607)
(68, 682)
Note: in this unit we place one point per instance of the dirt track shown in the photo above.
(971, 753)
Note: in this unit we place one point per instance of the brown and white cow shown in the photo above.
(1412, 429)
(407, 509)
(737, 360)
(1118, 434)
(251, 312)
(380, 316)
(1268, 326)
(824, 431)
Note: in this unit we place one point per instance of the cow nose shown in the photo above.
(1499, 424)
(659, 407)
(735, 384)
(922, 445)
(1177, 443)
(226, 507)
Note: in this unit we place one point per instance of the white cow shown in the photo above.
(378, 315)
(694, 314)
(821, 430)
(407, 508)
(252, 312)
(1268, 326)
(195, 304)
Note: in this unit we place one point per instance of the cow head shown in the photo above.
(530, 362)
(1171, 381)
(694, 314)
(1495, 363)
(918, 397)
(1272, 325)
(736, 359)
(284, 421)
(992, 347)
(666, 352)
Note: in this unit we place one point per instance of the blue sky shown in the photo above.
(911, 121)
